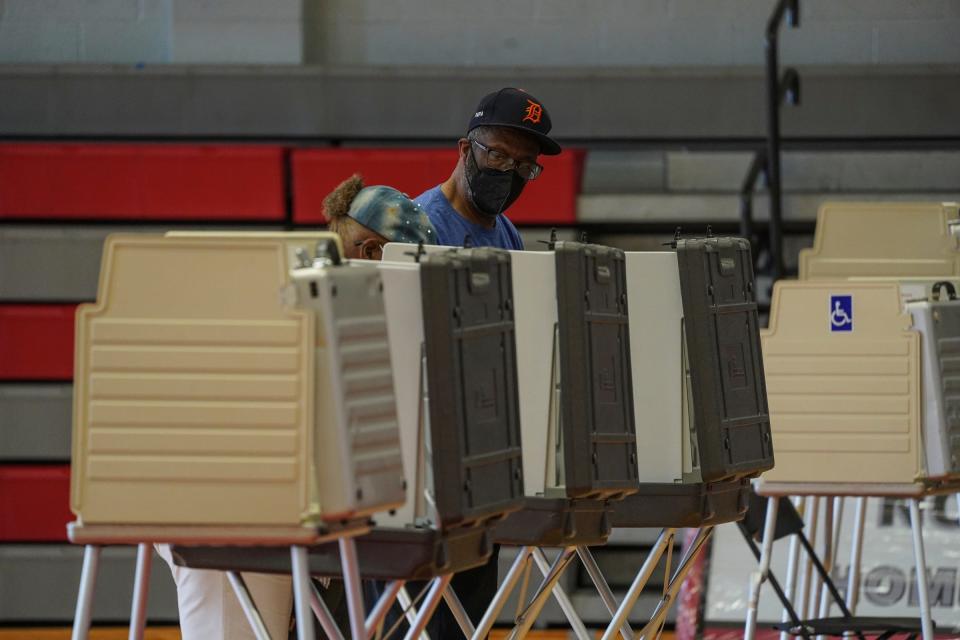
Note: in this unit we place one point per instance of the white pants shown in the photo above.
(209, 609)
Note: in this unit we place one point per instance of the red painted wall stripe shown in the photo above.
(36, 342)
(142, 181)
(550, 199)
(36, 503)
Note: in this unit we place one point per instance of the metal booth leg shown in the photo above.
(856, 552)
(383, 605)
(793, 559)
(409, 611)
(758, 577)
(812, 517)
(351, 583)
(658, 619)
(301, 593)
(517, 569)
(88, 584)
(456, 608)
(250, 608)
(527, 617)
(322, 613)
(141, 591)
(561, 597)
(920, 558)
(429, 605)
(639, 582)
(596, 576)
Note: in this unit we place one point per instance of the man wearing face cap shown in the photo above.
(497, 159)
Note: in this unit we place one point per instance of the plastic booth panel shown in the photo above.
(938, 320)
(470, 349)
(356, 445)
(843, 379)
(728, 410)
(454, 357)
(657, 353)
(883, 240)
(197, 375)
(596, 408)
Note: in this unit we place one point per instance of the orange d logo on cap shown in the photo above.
(533, 112)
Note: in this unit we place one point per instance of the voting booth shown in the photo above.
(859, 371)
(450, 320)
(698, 384)
(700, 401)
(843, 379)
(883, 239)
(233, 388)
(916, 246)
(576, 414)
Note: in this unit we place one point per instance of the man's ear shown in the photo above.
(370, 249)
(463, 146)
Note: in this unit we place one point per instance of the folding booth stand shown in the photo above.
(231, 389)
(451, 329)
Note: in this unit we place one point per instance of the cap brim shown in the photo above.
(548, 146)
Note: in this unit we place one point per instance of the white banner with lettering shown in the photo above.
(887, 579)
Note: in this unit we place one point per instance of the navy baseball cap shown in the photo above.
(516, 109)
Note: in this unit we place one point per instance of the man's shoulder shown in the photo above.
(431, 198)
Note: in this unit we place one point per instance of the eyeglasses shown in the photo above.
(500, 161)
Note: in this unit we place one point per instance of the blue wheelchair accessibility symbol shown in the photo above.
(841, 313)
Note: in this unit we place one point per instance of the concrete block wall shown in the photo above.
(150, 31)
(499, 33)
(683, 186)
(617, 33)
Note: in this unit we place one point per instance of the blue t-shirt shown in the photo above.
(452, 228)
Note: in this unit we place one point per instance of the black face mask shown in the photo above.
(491, 192)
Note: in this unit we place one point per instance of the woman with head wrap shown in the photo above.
(366, 218)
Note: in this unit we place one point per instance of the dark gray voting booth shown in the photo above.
(470, 418)
(591, 374)
(728, 421)
(472, 382)
(725, 423)
(588, 431)
(728, 392)
(596, 412)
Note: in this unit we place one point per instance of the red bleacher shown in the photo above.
(142, 182)
(36, 503)
(36, 342)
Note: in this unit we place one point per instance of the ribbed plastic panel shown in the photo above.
(844, 404)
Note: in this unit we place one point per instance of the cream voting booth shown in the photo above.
(233, 389)
(860, 371)
(451, 333)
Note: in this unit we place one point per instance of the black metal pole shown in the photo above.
(773, 142)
